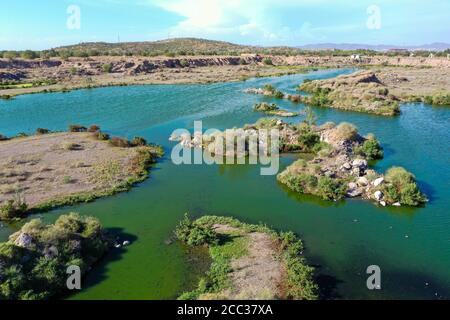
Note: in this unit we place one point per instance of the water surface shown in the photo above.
(411, 246)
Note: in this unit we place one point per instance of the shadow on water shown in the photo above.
(328, 286)
(99, 271)
(310, 198)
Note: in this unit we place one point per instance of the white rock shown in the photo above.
(383, 203)
(352, 185)
(362, 181)
(24, 240)
(397, 204)
(377, 182)
(347, 166)
(378, 195)
(126, 243)
(360, 163)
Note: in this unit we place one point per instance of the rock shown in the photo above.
(378, 195)
(126, 243)
(329, 174)
(352, 185)
(378, 181)
(118, 245)
(362, 181)
(397, 204)
(360, 163)
(347, 166)
(24, 240)
(383, 203)
(354, 193)
(50, 252)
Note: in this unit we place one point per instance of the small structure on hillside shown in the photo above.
(355, 57)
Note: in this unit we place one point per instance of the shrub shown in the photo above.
(93, 128)
(346, 131)
(194, 234)
(264, 106)
(70, 146)
(269, 88)
(401, 187)
(138, 142)
(13, 208)
(3, 138)
(184, 63)
(331, 189)
(77, 128)
(107, 68)
(42, 131)
(320, 97)
(119, 142)
(39, 271)
(278, 94)
(371, 149)
(102, 136)
(268, 62)
(307, 138)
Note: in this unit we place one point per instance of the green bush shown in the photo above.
(77, 128)
(138, 142)
(346, 131)
(107, 68)
(42, 131)
(269, 88)
(3, 138)
(278, 94)
(194, 234)
(38, 270)
(102, 136)
(13, 208)
(268, 62)
(331, 189)
(371, 149)
(307, 138)
(401, 187)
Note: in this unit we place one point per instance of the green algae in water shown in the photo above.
(411, 246)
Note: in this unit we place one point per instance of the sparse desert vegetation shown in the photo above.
(47, 170)
(248, 261)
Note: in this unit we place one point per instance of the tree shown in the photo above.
(310, 116)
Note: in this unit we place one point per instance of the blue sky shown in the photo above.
(43, 24)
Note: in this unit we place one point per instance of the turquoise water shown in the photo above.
(411, 246)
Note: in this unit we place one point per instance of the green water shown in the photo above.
(342, 239)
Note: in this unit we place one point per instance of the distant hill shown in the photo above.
(177, 45)
(437, 46)
(194, 46)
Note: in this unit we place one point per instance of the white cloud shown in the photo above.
(249, 18)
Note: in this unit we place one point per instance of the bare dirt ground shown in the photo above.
(260, 273)
(406, 81)
(48, 167)
(74, 73)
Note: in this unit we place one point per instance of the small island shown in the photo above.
(338, 167)
(249, 262)
(273, 110)
(48, 170)
(34, 261)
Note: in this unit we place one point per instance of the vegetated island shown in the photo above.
(371, 91)
(249, 262)
(34, 261)
(339, 167)
(273, 110)
(48, 170)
